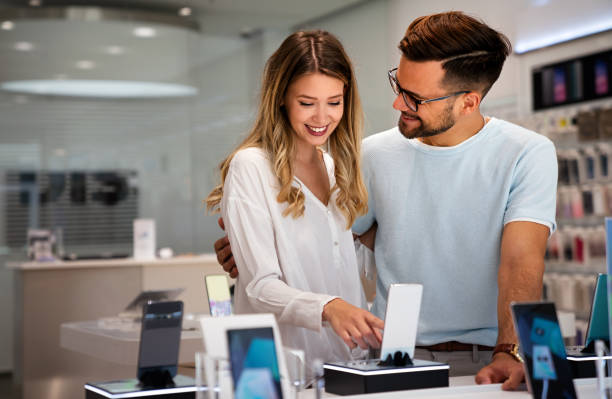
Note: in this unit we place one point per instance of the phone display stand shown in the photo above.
(184, 387)
(157, 378)
(396, 370)
(371, 376)
(398, 359)
(584, 366)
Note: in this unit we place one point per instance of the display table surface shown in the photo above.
(464, 387)
(120, 345)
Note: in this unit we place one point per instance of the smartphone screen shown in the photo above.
(401, 319)
(598, 325)
(254, 363)
(160, 337)
(219, 298)
(543, 350)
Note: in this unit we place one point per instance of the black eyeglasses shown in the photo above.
(411, 102)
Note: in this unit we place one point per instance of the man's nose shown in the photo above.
(399, 103)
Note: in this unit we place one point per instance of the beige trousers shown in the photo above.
(461, 362)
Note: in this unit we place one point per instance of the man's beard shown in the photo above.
(425, 130)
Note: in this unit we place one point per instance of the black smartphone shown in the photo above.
(218, 292)
(541, 345)
(160, 338)
(254, 363)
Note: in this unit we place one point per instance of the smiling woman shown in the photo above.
(288, 205)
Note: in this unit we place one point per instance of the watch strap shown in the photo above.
(511, 349)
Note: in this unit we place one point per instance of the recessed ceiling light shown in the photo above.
(144, 31)
(99, 88)
(115, 50)
(7, 25)
(35, 3)
(85, 64)
(23, 46)
(184, 12)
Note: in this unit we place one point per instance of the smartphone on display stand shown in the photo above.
(254, 363)
(160, 338)
(218, 292)
(548, 373)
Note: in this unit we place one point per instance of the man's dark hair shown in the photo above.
(471, 52)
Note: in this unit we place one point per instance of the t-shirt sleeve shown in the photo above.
(533, 191)
(251, 233)
(363, 223)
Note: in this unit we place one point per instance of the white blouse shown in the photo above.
(289, 267)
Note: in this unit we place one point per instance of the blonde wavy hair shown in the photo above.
(302, 53)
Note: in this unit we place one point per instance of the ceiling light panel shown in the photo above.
(144, 32)
(7, 25)
(99, 88)
(23, 46)
(184, 12)
(85, 64)
(114, 50)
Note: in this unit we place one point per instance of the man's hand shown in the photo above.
(224, 253)
(503, 368)
(369, 237)
(354, 325)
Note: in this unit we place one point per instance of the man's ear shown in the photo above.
(471, 102)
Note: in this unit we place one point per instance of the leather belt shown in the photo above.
(453, 346)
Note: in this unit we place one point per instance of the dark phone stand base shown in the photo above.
(398, 359)
(157, 379)
(395, 373)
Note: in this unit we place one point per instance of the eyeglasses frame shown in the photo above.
(417, 102)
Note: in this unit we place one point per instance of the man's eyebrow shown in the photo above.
(413, 94)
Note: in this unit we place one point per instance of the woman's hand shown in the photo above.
(354, 325)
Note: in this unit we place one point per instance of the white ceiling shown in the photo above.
(59, 44)
(229, 17)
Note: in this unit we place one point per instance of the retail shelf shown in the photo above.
(587, 221)
(592, 267)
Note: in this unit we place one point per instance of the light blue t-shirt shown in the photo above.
(441, 213)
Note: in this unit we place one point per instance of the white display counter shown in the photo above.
(51, 293)
(119, 345)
